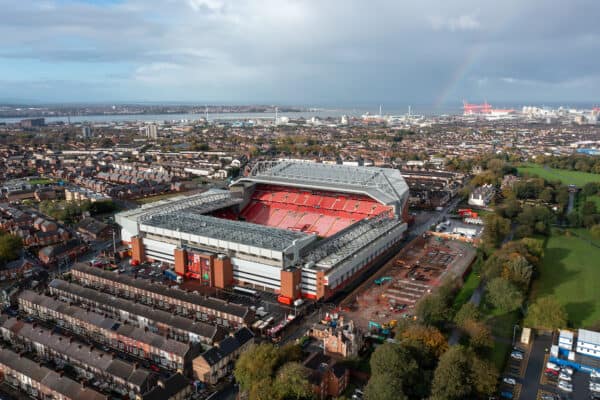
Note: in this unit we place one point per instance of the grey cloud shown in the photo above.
(320, 50)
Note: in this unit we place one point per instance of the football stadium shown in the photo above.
(301, 230)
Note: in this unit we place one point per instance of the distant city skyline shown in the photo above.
(344, 53)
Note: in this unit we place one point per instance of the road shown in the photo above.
(571, 204)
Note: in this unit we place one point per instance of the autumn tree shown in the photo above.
(503, 295)
(10, 247)
(546, 313)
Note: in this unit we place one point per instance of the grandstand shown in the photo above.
(264, 231)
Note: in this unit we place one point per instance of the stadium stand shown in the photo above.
(308, 211)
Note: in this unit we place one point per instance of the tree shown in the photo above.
(480, 335)
(451, 377)
(292, 381)
(496, 229)
(384, 387)
(403, 366)
(511, 208)
(562, 197)
(270, 373)
(503, 295)
(595, 231)
(256, 365)
(547, 195)
(590, 189)
(430, 336)
(589, 208)
(391, 357)
(468, 312)
(484, 376)
(432, 309)
(518, 270)
(546, 313)
(460, 374)
(10, 247)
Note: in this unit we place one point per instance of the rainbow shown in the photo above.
(458, 75)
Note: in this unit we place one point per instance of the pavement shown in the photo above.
(534, 382)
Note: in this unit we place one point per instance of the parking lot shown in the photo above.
(538, 382)
(512, 379)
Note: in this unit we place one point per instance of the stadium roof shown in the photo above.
(225, 230)
(385, 185)
(205, 202)
(335, 249)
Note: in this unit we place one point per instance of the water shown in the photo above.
(321, 113)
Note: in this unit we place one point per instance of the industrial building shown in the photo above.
(293, 228)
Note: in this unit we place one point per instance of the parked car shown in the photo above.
(565, 386)
(564, 377)
(553, 366)
(517, 355)
(567, 370)
(509, 381)
(551, 371)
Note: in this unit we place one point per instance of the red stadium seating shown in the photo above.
(323, 213)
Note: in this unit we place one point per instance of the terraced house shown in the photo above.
(89, 362)
(108, 331)
(177, 301)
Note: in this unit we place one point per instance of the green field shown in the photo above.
(571, 273)
(502, 329)
(595, 199)
(41, 181)
(565, 176)
(466, 291)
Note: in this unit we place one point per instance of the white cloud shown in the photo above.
(455, 24)
(211, 5)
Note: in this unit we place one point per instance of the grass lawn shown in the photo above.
(595, 199)
(41, 181)
(465, 293)
(502, 329)
(565, 176)
(571, 273)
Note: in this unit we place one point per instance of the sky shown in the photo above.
(309, 52)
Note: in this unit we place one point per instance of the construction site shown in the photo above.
(414, 272)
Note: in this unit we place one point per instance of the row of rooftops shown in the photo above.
(210, 333)
(109, 324)
(212, 303)
(75, 350)
(47, 377)
(227, 346)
